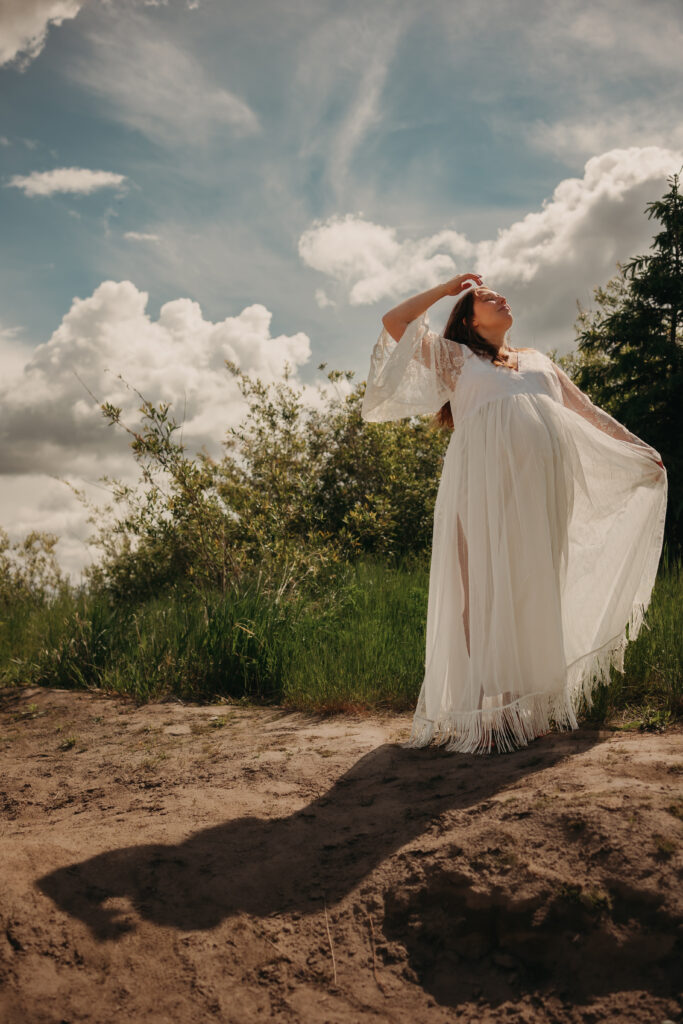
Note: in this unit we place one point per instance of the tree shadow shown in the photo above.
(263, 867)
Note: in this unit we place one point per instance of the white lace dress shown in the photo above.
(548, 530)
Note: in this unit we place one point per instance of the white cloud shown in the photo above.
(372, 263)
(155, 87)
(78, 180)
(180, 357)
(24, 26)
(589, 222)
(51, 426)
(542, 263)
(141, 236)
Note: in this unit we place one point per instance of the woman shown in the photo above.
(548, 523)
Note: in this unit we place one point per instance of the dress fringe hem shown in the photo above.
(514, 725)
(509, 727)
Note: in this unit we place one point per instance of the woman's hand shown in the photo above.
(396, 319)
(456, 284)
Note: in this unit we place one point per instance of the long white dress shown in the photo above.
(548, 530)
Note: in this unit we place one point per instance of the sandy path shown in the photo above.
(184, 864)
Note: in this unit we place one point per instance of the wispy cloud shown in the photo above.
(584, 42)
(154, 86)
(583, 135)
(342, 72)
(623, 31)
(603, 75)
(24, 26)
(141, 236)
(365, 109)
(77, 180)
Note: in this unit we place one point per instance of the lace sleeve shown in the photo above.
(412, 377)
(574, 398)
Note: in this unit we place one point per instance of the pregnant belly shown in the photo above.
(537, 474)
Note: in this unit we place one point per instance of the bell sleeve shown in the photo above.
(574, 398)
(412, 377)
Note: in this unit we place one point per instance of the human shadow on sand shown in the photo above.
(263, 867)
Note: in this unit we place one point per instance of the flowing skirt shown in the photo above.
(546, 541)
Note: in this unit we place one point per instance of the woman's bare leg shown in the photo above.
(464, 571)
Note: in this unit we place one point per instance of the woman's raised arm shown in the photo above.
(397, 319)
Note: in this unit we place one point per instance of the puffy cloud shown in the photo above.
(24, 26)
(541, 263)
(588, 224)
(50, 423)
(371, 263)
(65, 179)
(48, 419)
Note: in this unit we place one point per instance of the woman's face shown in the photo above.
(490, 309)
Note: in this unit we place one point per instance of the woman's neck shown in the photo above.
(499, 343)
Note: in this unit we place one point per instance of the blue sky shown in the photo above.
(187, 181)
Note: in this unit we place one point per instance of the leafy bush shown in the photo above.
(29, 570)
(298, 493)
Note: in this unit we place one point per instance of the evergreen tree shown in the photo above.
(630, 350)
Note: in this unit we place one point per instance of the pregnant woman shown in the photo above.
(548, 524)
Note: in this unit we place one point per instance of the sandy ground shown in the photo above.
(190, 864)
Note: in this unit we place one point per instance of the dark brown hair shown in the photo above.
(458, 328)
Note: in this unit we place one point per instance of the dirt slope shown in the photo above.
(186, 864)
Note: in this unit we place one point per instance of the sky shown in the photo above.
(188, 181)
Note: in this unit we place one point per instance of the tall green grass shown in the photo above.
(367, 648)
(356, 643)
(179, 643)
